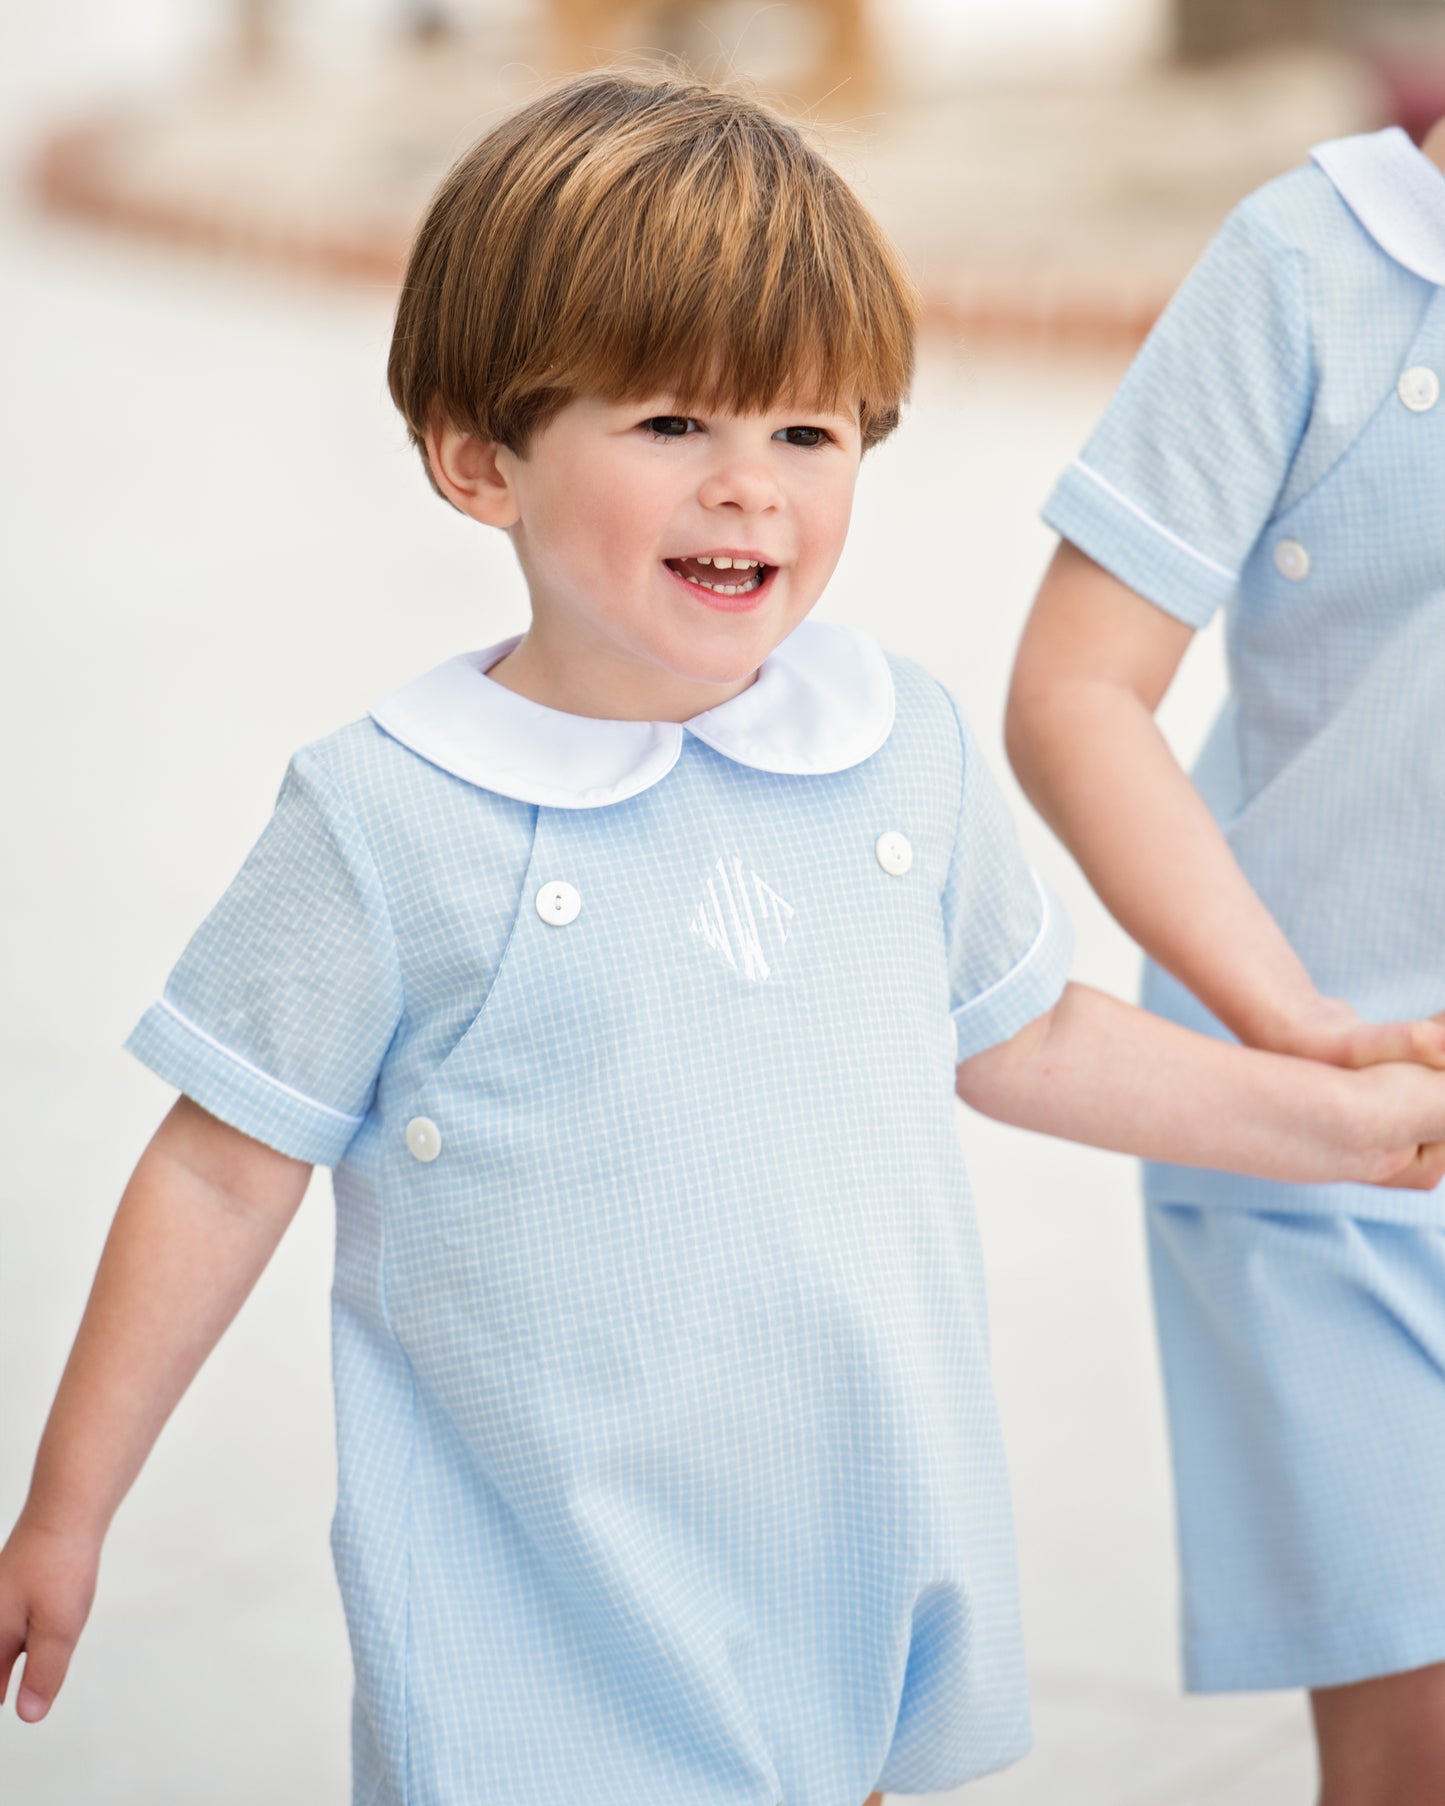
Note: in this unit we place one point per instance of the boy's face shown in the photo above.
(624, 517)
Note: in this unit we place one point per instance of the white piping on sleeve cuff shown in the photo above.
(1031, 987)
(1183, 545)
(231, 1054)
(237, 1091)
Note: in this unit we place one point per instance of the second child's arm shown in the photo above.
(1095, 661)
(200, 1218)
(1102, 1072)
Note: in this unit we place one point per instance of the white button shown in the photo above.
(894, 853)
(1292, 560)
(1419, 389)
(423, 1138)
(558, 903)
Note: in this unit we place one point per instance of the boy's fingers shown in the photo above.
(30, 1706)
(12, 1644)
(1424, 1172)
(46, 1659)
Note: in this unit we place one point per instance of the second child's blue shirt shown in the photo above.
(1278, 450)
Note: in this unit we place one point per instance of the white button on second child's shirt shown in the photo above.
(1292, 560)
(895, 855)
(558, 903)
(1419, 389)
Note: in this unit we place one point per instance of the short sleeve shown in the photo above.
(281, 1009)
(1009, 942)
(1182, 475)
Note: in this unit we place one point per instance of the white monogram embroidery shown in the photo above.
(738, 914)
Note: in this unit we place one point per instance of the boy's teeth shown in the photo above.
(748, 571)
(730, 589)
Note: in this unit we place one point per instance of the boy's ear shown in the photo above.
(473, 474)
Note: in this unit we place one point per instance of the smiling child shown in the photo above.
(625, 974)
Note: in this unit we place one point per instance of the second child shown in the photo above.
(1278, 452)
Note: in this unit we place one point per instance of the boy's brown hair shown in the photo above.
(624, 236)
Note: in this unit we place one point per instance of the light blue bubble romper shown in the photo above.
(1278, 450)
(669, 1466)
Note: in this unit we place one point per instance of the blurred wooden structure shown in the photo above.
(1204, 29)
(842, 72)
(1207, 29)
(1037, 210)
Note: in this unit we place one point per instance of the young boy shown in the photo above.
(625, 974)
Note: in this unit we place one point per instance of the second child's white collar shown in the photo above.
(1396, 193)
(823, 702)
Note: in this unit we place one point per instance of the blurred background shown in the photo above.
(1043, 162)
(216, 545)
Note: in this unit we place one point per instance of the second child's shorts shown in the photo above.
(1304, 1367)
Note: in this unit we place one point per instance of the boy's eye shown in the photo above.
(806, 436)
(669, 426)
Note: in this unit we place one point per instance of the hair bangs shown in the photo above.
(626, 238)
(736, 270)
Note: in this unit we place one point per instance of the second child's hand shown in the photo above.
(1329, 1030)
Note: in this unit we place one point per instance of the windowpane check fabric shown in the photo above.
(1278, 451)
(669, 1463)
(1275, 451)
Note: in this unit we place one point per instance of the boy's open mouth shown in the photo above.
(723, 575)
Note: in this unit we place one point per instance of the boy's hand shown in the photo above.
(47, 1582)
(1095, 1070)
(200, 1218)
(1403, 1104)
(1331, 1031)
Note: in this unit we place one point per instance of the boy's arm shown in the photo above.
(1103, 1072)
(1094, 663)
(197, 1223)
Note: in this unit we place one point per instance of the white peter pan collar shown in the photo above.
(1396, 193)
(821, 703)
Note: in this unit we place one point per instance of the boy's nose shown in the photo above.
(740, 483)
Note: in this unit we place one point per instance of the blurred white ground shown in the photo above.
(216, 545)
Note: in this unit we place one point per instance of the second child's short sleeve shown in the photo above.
(1009, 942)
(279, 1012)
(1182, 474)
